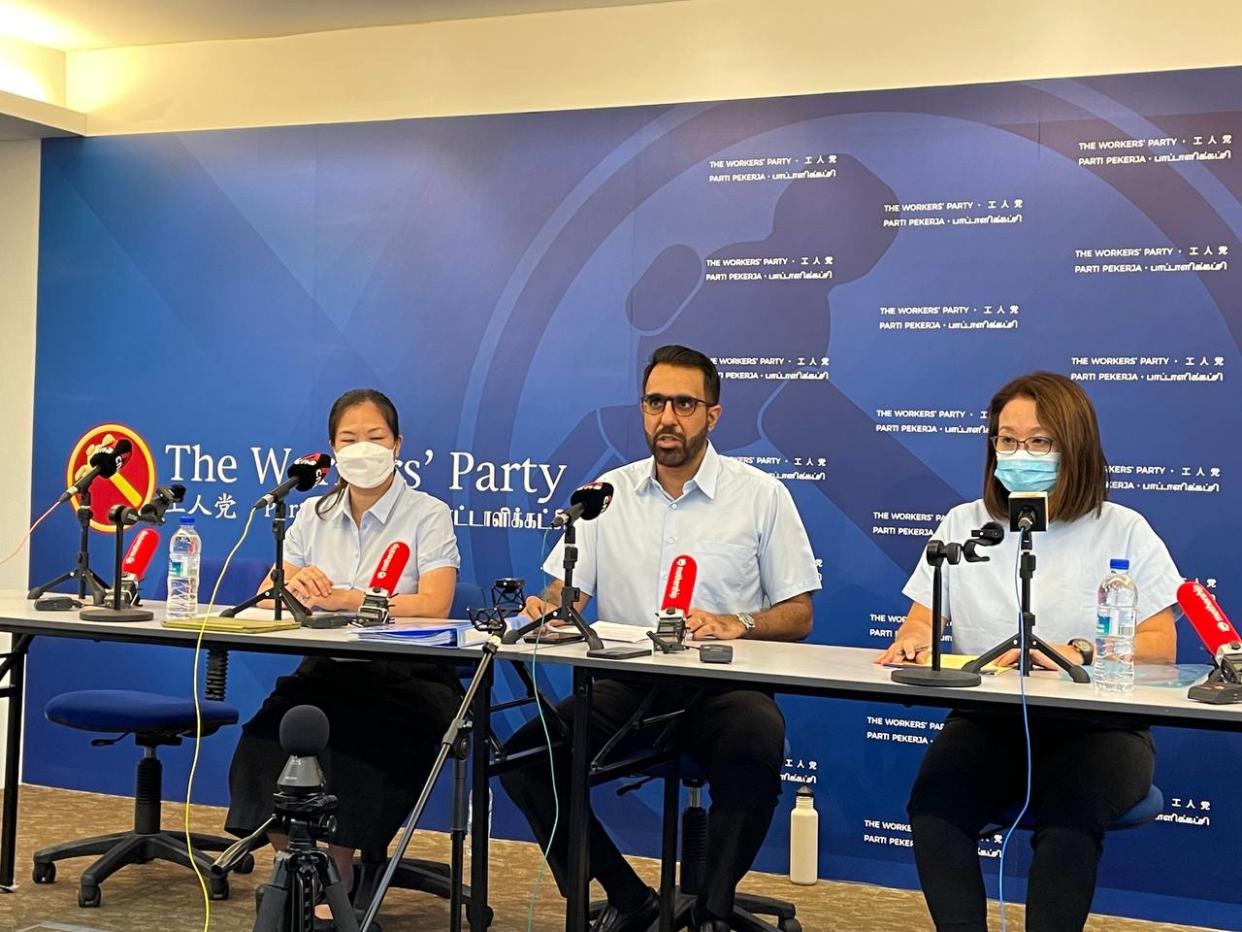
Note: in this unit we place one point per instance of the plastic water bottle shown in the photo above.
(1116, 601)
(804, 838)
(184, 553)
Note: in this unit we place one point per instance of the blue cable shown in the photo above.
(547, 737)
(1026, 726)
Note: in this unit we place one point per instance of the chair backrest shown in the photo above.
(243, 579)
(467, 595)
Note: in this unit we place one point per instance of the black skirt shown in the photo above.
(386, 719)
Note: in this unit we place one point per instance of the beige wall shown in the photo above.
(32, 71)
(19, 240)
(19, 237)
(689, 50)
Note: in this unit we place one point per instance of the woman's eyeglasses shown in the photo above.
(1036, 446)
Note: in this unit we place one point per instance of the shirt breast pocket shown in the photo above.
(728, 579)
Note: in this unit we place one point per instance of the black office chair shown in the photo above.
(153, 720)
(426, 876)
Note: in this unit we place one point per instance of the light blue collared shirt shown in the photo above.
(739, 524)
(349, 553)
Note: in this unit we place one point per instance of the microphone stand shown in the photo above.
(1026, 637)
(121, 609)
(277, 591)
(567, 611)
(82, 572)
(938, 553)
(451, 743)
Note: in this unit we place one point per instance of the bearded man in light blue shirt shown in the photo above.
(756, 574)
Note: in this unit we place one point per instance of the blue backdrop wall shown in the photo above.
(866, 269)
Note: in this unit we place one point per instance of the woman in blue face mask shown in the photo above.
(1042, 437)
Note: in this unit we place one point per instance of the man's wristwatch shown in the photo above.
(1084, 647)
(748, 622)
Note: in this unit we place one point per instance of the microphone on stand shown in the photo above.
(1028, 511)
(1220, 637)
(374, 608)
(587, 503)
(137, 559)
(670, 632)
(104, 464)
(304, 474)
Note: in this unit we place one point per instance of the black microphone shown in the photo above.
(104, 464)
(305, 473)
(303, 735)
(588, 502)
(1028, 511)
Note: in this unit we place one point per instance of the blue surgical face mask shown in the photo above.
(1022, 472)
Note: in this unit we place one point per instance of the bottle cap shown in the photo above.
(187, 519)
(804, 790)
(1114, 564)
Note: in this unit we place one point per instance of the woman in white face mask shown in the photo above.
(1042, 437)
(386, 717)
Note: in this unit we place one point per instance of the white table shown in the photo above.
(838, 672)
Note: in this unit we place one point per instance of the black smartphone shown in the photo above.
(554, 636)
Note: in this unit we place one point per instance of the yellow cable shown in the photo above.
(198, 723)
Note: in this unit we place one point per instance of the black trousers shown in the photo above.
(1086, 775)
(736, 735)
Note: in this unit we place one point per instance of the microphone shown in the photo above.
(137, 559)
(670, 633)
(374, 608)
(304, 474)
(300, 786)
(1028, 511)
(1216, 632)
(303, 735)
(679, 590)
(104, 464)
(588, 502)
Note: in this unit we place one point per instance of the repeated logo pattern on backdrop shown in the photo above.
(865, 268)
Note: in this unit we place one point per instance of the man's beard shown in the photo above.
(688, 447)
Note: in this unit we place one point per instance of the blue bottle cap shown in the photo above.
(187, 519)
(1114, 564)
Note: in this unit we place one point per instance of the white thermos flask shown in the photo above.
(804, 838)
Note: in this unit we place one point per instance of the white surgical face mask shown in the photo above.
(365, 464)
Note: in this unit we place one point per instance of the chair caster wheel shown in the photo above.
(791, 925)
(245, 865)
(44, 873)
(89, 897)
(219, 889)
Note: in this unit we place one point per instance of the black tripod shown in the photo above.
(303, 869)
(1026, 640)
(82, 572)
(276, 591)
(567, 611)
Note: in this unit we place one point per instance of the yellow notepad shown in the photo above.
(230, 625)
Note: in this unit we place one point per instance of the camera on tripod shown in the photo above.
(305, 813)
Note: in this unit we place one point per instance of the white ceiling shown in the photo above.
(86, 24)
